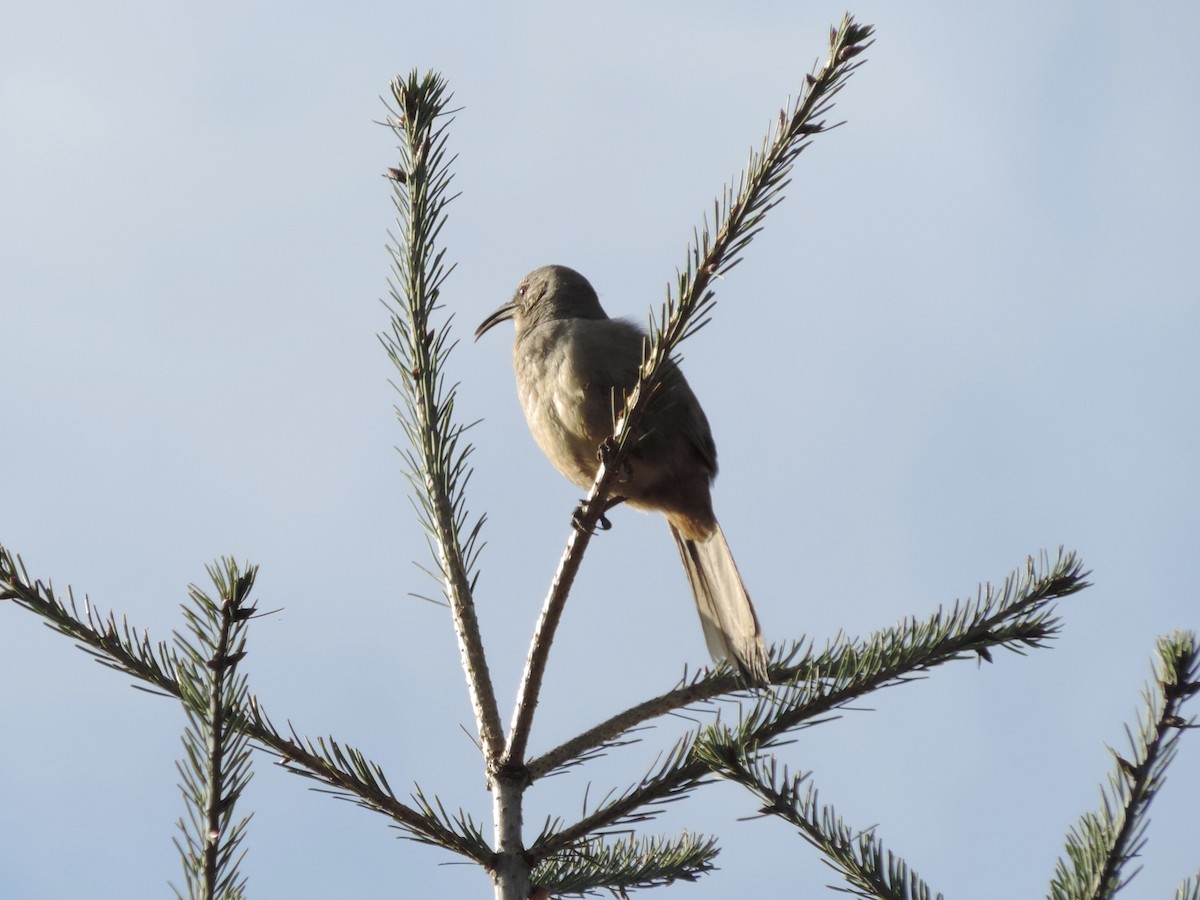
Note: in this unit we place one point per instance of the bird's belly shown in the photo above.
(557, 420)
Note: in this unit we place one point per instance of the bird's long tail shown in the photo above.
(730, 625)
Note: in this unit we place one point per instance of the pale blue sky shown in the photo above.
(968, 334)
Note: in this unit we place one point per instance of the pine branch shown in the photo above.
(617, 866)
(704, 687)
(548, 619)
(346, 773)
(468, 836)
(1189, 888)
(1019, 615)
(737, 217)
(677, 774)
(437, 459)
(344, 770)
(117, 646)
(1104, 842)
(217, 765)
(869, 868)
(1016, 616)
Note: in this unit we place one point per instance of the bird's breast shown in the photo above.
(559, 406)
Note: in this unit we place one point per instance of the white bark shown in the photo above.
(511, 874)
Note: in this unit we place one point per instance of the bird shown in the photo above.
(574, 365)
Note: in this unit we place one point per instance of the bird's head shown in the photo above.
(546, 294)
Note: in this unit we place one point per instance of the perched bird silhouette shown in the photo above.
(572, 363)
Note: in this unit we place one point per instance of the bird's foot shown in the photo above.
(602, 522)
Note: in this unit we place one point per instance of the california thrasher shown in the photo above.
(572, 364)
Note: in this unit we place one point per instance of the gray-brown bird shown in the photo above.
(572, 362)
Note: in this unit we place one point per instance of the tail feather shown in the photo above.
(730, 624)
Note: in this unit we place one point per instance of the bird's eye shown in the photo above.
(522, 289)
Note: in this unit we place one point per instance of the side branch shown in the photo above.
(623, 864)
(437, 465)
(869, 868)
(1104, 842)
(353, 777)
(1017, 615)
(120, 647)
(552, 609)
(974, 627)
(705, 687)
(739, 213)
(216, 764)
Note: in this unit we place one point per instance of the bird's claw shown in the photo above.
(602, 523)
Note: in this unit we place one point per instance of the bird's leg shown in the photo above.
(607, 452)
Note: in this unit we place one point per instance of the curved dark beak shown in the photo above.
(504, 312)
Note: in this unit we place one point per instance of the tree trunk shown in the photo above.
(511, 872)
